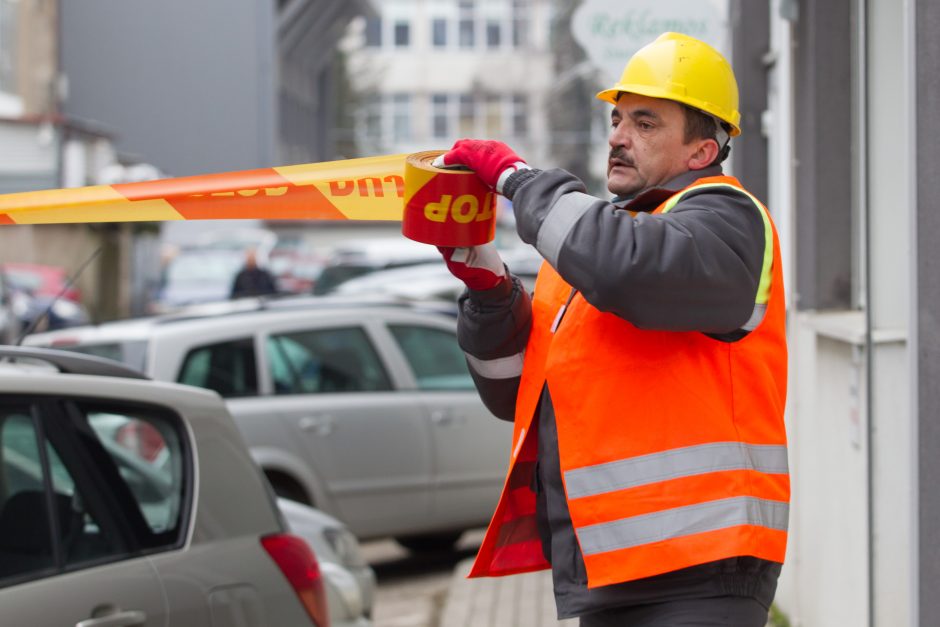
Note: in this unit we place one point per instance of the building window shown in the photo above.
(520, 115)
(493, 115)
(372, 122)
(8, 37)
(439, 32)
(466, 116)
(402, 34)
(373, 32)
(401, 117)
(520, 23)
(439, 119)
(493, 33)
(466, 24)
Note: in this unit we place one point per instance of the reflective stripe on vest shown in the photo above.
(673, 464)
(763, 287)
(683, 521)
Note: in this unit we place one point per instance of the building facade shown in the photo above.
(428, 72)
(852, 127)
(103, 92)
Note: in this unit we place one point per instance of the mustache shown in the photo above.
(619, 155)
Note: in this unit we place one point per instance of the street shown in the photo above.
(412, 589)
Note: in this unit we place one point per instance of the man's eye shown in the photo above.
(646, 126)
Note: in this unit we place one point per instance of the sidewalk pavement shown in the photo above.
(515, 601)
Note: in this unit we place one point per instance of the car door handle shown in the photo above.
(130, 618)
(445, 417)
(319, 425)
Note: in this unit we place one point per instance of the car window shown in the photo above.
(325, 361)
(25, 531)
(149, 457)
(435, 357)
(115, 480)
(229, 368)
(33, 543)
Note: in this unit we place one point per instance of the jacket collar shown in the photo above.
(648, 199)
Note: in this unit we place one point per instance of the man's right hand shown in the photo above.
(479, 267)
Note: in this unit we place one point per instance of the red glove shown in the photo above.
(479, 267)
(492, 161)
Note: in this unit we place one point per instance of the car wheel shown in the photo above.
(430, 543)
(288, 488)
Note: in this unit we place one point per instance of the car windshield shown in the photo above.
(199, 268)
(132, 353)
(335, 275)
(24, 279)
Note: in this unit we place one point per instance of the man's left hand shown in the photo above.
(492, 161)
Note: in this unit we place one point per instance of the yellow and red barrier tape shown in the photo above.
(371, 188)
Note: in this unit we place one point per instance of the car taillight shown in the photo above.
(299, 565)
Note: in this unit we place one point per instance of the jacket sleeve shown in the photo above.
(696, 268)
(492, 329)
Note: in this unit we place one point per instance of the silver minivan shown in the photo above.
(363, 408)
(127, 502)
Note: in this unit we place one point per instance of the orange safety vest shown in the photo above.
(672, 444)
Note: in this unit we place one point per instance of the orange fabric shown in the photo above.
(621, 392)
(208, 196)
(660, 557)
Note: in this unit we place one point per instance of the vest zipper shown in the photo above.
(563, 309)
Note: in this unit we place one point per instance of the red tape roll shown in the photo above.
(446, 207)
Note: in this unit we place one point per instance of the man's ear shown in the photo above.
(706, 150)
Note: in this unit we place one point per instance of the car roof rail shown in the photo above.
(69, 362)
(324, 302)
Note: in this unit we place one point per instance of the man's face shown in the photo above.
(647, 144)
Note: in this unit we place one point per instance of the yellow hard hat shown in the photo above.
(681, 68)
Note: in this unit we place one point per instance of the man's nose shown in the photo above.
(619, 136)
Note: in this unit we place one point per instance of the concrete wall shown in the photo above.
(890, 207)
(927, 312)
(187, 86)
(37, 50)
(854, 552)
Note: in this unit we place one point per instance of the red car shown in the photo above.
(40, 280)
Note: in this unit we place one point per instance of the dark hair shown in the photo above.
(699, 125)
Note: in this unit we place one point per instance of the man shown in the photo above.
(646, 377)
(252, 280)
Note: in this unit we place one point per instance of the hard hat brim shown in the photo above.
(610, 95)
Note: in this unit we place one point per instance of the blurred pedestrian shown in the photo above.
(252, 280)
(646, 376)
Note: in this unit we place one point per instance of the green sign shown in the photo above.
(611, 31)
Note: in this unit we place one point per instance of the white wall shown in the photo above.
(891, 210)
(836, 358)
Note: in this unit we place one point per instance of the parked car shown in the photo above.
(350, 581)
(41, 280)
(357, 257)
(420, 281)
(41, 298)
(433, 280)
(362, 408)
(197, 275)
(10, 325)
(125, 501)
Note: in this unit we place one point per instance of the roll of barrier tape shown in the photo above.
(446, 207)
